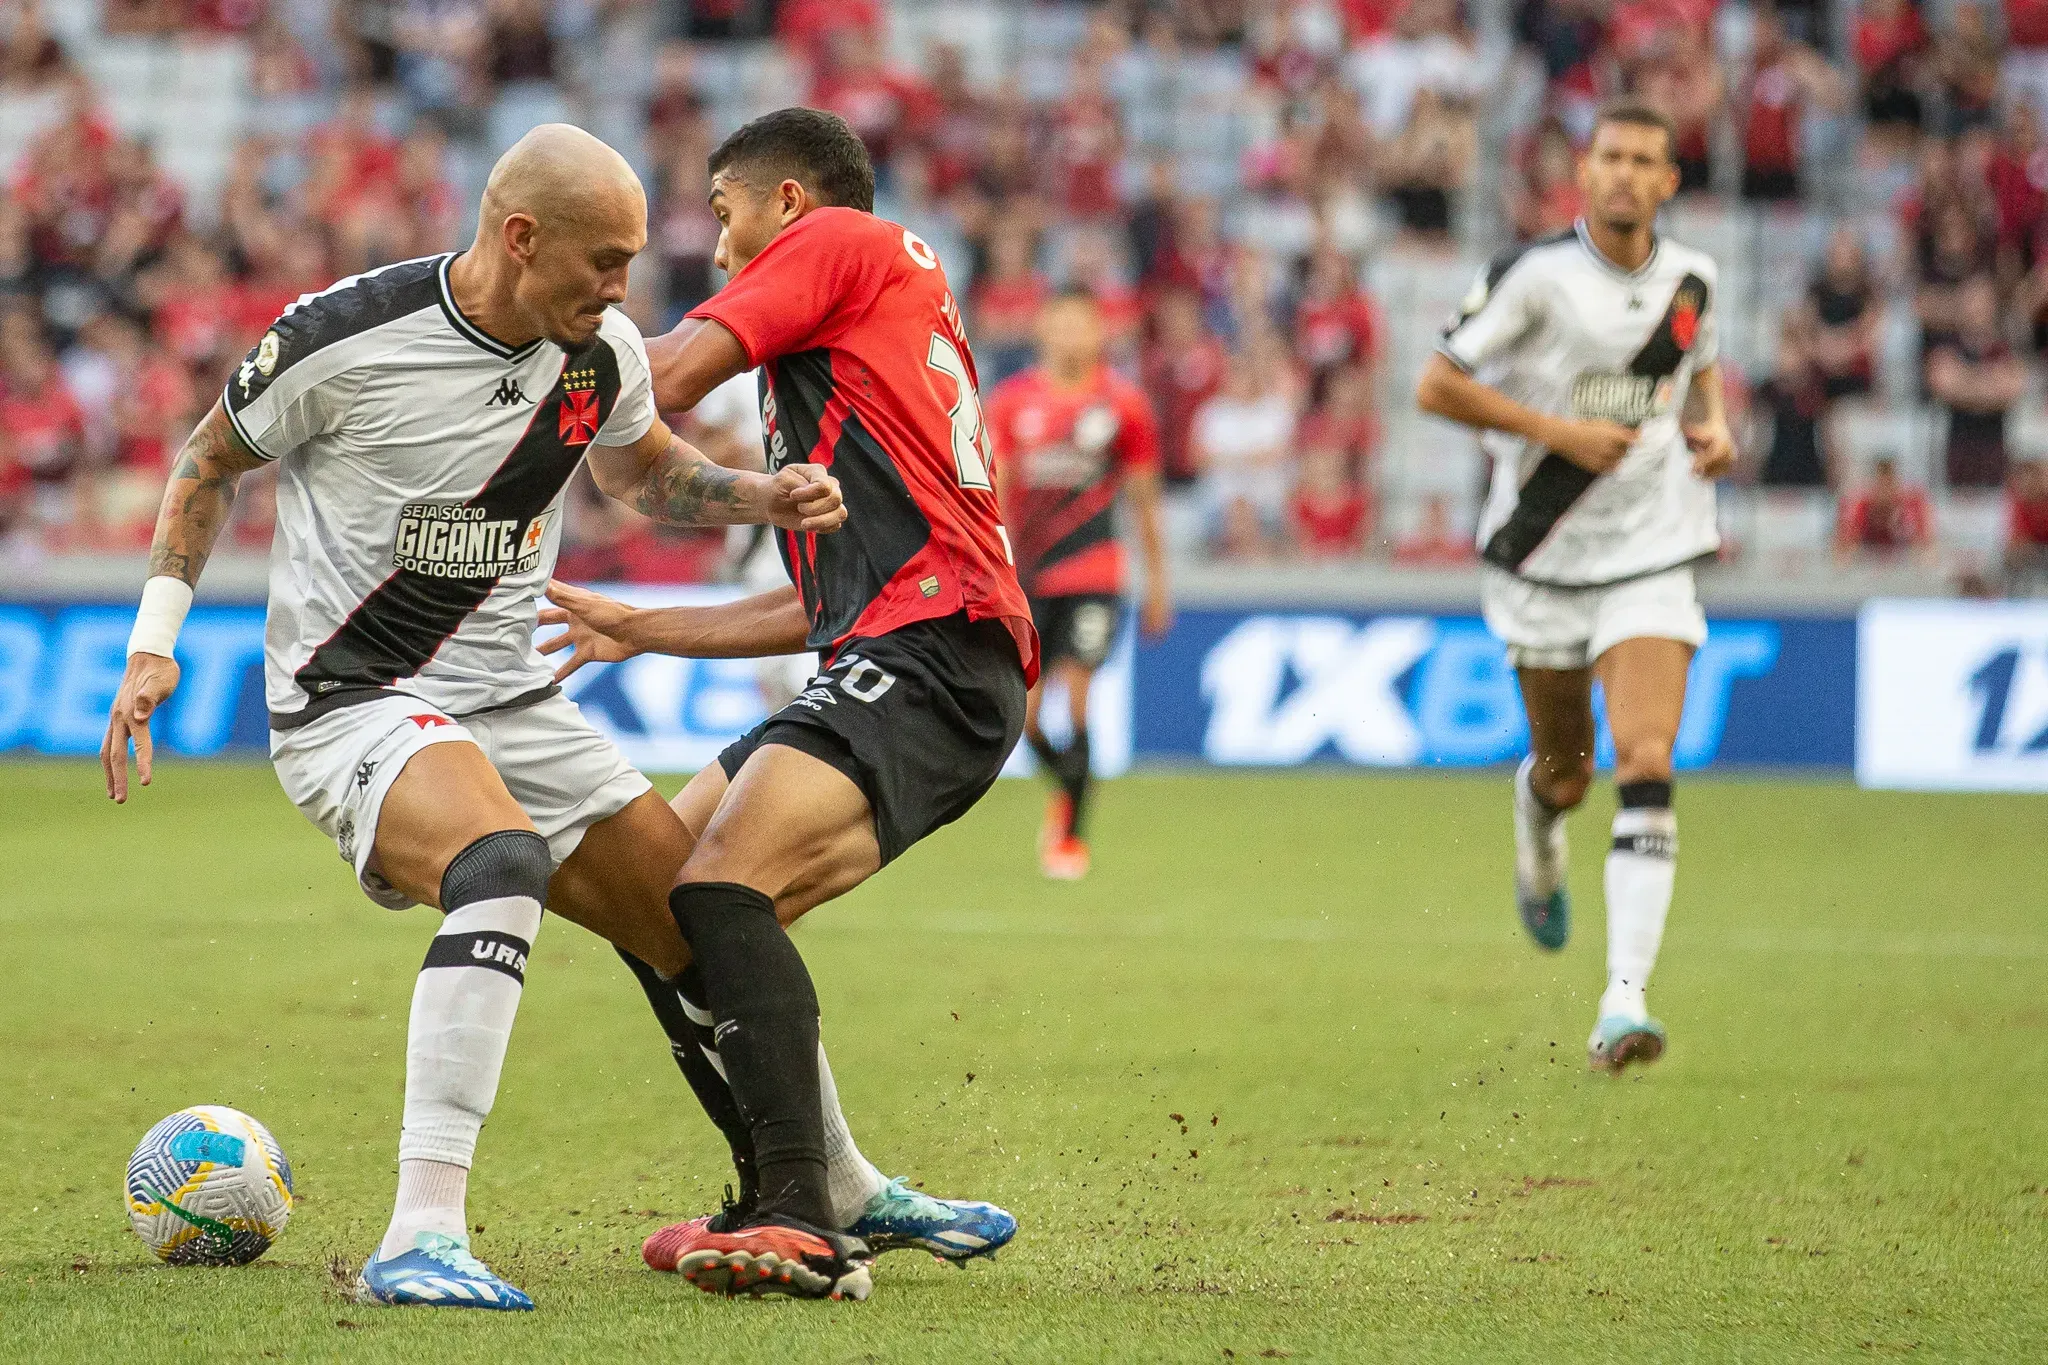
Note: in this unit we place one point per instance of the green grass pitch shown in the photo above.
(1281, 1080)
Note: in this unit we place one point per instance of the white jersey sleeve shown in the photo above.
(1501, 309)
(295, 384)
(633, 414)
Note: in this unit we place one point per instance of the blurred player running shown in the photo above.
(927, 640)
(1589, 360)
(1069, 435)
(425, 418)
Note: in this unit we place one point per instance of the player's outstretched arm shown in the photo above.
(601, 630)
(196, 504)
(664, 477)
(691, 361)
(1450, 393)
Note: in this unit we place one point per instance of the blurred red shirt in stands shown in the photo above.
(809, 25)
(1335, 323)
(1182, 369)
(1087, 145)
(1889, 517)
(1008, 296)
(1329, 508)
(883, 104)
(44, 424)
(2028, 521)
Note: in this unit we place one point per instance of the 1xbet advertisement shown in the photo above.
(1932, 695)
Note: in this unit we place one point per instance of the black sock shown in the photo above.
(766, 1031)
(1075, 778)
(687, 1042)
(1048, 756)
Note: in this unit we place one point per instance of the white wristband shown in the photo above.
(165, 601)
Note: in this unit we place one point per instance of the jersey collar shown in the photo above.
(470, 330)
(1600, 257)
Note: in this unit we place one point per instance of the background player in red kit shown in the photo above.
(926, 637)
(1069, 435)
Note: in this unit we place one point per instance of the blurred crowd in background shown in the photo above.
(1277, 203)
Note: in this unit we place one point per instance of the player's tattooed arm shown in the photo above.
(199, 497)
(664, 477)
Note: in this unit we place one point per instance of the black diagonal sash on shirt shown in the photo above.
(405, 620)
(1556, 483)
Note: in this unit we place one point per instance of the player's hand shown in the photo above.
(149, 680)
(1713, 449)
(1596, 446)
(1155, 615)
(804, 497)
(597, 627)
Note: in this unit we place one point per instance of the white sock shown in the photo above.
(430, 1199)
(851, 1180)
(1540, 862)
(462, 1010)
(1641, 868)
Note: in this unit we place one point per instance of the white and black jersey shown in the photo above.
(421, 464)
(1558, 327)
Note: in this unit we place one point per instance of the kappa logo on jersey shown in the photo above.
(578, 420)
(261, 361)
(456, 540)
(509, 395)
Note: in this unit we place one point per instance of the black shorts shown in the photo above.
(1081, 627)
(921, 720)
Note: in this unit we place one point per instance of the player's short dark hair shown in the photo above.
(819, 151)
(1642, 116)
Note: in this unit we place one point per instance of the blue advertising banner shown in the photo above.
(1238, 687)
(1391, 689)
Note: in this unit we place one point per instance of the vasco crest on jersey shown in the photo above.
(579, 416)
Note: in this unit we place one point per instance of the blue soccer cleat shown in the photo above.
(956, 1230)
(1618, 1040)
(1542, 861)
(438, 1272)
(1548, 919)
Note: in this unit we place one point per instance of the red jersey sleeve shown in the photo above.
(791, 297)
(1137, 438)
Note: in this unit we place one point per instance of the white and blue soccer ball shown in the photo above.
(209, 1186)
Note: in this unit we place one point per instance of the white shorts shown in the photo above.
(564, 773)
(1547, 627)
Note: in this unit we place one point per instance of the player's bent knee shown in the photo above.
(508, 862)
(1563, 783)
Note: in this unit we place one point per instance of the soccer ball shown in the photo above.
(209, 1186)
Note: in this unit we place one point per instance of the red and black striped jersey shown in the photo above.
(865, 370)
(1062, 454)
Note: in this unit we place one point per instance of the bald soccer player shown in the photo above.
(424, 419)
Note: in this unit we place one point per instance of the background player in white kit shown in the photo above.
(425, 418)
(1589, 362)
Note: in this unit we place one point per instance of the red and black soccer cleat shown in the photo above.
(768, 1254)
